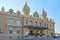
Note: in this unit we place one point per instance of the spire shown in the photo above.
(43, 10)
(26, 8)
(2, 9)
(43, 13)
(26, 3)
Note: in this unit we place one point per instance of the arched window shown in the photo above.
(11, 21)
(40, 23)
(36, 23)
(45, 24)
(50, 26)
(11, 11)
(31, 22)
(18, 21)
(26, 21)
(18, 13)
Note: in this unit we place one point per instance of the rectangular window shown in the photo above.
(40, 23)
(26, 21)
(10, 31)
(10, 37)
(44, 24)
(18, 31)
(47, 25)
(0, 29)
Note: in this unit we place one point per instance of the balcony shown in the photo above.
(13, 25)
(9, 34)
(36, 26)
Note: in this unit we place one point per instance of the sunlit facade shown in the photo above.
(12, 24)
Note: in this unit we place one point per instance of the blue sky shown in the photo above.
(52, 7)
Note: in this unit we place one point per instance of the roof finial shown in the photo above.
(2, 8)
(26, 3)
(43, 10)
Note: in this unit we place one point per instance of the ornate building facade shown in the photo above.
(16, 25)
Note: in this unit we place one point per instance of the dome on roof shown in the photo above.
(35, 14)
(11, 10)
(18, 11)
(2, 9)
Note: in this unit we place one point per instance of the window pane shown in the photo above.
(44, 24)
(18, 22)
(10, 37)
(40, 23)
(18, 14)
(10, 31)
(10, 21)
(26, 21)
(18, 31)
(11, 12)
(47, 25)
(36, 23)
(31, 22)
(50, 26)
(18, 37)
